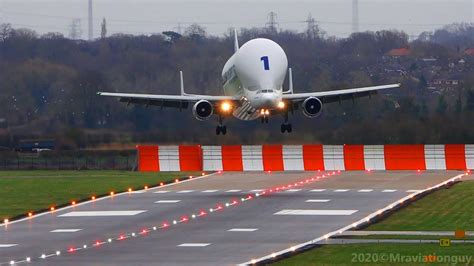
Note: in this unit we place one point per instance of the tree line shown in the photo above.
(48, 86)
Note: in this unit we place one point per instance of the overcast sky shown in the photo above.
(148, 16)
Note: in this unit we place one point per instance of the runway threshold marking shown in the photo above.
(185, 191)
(234, 190)
(243, 230)
(315, 212)
(167, 201)
(101, 213)
(318, 200)
(65, 230)
(389, 190)
(317, 190)
(161, 192)
(194, 245)
(7, 245)
(209, 191)
(365, 190)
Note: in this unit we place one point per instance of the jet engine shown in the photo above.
(203, 110)
(312, 107)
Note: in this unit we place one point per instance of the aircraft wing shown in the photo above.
(339, 95)
(173, 101)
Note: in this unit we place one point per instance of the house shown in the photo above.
(469, 51)
(444, 84)
(399, 52)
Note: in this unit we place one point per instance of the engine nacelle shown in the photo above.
(312, 107)
(203, 110)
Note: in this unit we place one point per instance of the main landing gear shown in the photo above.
(264, 119)
(221, 128)
(286, 127)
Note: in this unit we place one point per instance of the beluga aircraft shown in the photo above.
(253, 89)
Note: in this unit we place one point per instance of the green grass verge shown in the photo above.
(371, 254)
(407, 237)
(24, 191)
(445, 210)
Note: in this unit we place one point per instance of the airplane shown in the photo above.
(253, 88)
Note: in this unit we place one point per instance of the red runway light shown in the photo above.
(219, 172)
(202, 213)
(165, 225)
(70, 250)
(97, 243)
(121, 237)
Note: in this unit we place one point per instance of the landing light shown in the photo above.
(225, 106)
(281, 104)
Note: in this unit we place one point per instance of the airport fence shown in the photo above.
(69, 160)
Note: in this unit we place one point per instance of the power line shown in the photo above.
(91, 24)
(355, 16)
(272, 23)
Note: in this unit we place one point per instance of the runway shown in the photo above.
(119, 230)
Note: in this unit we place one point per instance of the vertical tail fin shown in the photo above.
(236, 41)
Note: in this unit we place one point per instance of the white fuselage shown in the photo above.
(256, 73)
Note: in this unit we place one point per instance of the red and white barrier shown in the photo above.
(306, 157)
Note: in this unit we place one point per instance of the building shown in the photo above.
(399, 52)
(36, 145)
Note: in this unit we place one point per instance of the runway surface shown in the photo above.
(227, 235)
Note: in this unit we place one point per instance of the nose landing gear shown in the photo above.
(221, 128)
(286, 127)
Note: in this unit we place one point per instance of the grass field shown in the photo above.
(374, 254)
(444, 210)
(25, 191)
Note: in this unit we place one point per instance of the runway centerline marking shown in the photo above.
(315, 212)
(167, 201)
(242, 230)
(257, 190)
(65, 230)
(413, 190)
(194, 245)
(317, 190)
(389, 190)
(7, 245)
(365, 190)
(161, 191)
(318, 200)
(293, 190)
(209, 191)
(234, 190)
(185, 191)
(101, 213)
(341, 190)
